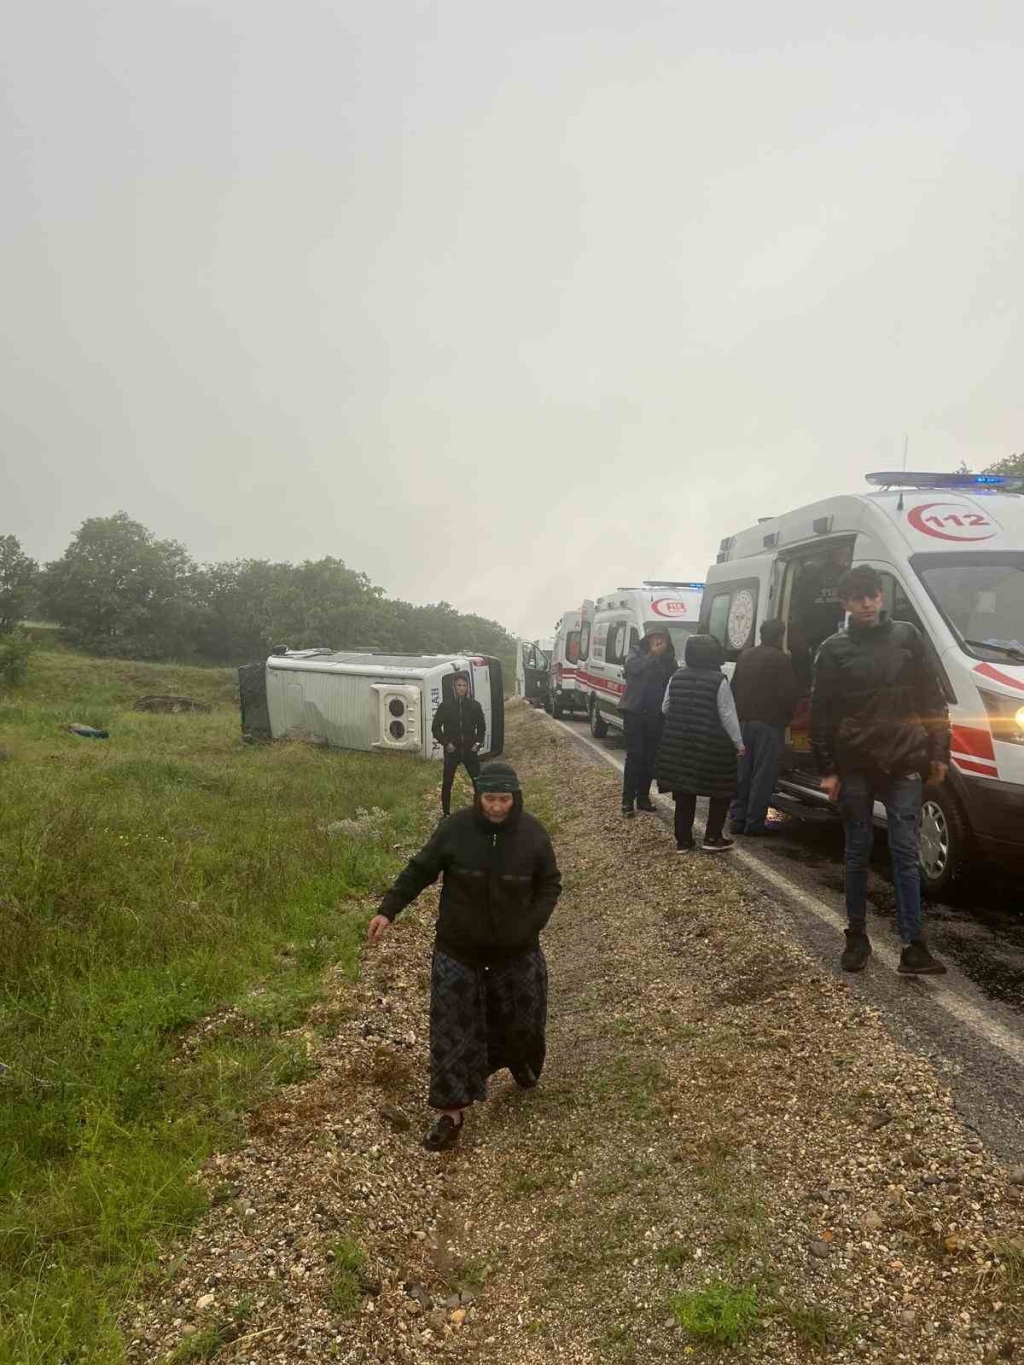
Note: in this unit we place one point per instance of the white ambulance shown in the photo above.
(613, 625)
(564, 688)
(533, 671)
(950, 549)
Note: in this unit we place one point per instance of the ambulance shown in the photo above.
(533, 671)
(950, 550)
(613, 624)
(564, 690)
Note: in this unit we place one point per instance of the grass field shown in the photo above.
(145, 882)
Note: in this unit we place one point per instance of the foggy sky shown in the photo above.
(507, 304)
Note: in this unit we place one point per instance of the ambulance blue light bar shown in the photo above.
(903, 479)
(669, 583)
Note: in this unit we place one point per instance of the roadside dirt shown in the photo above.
(727, 1152)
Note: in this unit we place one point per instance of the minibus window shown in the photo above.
(981, 595)
(572, 646)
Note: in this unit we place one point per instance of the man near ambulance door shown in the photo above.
(879, 729)
(489, 980)
(764, 686)
(459, 726)
(650, 665)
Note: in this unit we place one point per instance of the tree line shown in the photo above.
(119, 591)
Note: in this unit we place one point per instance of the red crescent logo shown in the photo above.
(668, 606)
(958, 524)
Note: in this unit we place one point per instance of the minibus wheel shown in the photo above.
(598, 724)
(943, 839)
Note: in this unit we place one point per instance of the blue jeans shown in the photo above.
(902, 799)
(759, 771)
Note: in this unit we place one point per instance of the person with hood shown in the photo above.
(764, 686)
(879, 730)
(700, 743)
(489, 980)
(651, 663)
(460, 727)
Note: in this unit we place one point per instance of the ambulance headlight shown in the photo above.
(1005, 716)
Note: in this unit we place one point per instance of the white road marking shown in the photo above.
(962, 1010)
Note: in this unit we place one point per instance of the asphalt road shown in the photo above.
(970, 1023)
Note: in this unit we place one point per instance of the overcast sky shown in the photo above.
(507, 304)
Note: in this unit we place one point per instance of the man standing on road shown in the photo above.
(879, 729)
(460, 726)
(650, 665)
(489, 979)
(764, 686)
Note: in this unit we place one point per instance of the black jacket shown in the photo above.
(459, 721)
(764, 686)
(500, 885)
(647, 677)
(876, 703)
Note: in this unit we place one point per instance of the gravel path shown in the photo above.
(727, 1150)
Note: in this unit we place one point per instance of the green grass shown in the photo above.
(347, 1276)
(147, 881)
(814, 1327)
(721, 1314)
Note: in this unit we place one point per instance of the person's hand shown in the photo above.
(937, 772)
(449, 748)
(741, 750)
(830, 786)
(377, 928)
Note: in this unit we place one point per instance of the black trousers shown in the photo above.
(643, 735)
(686, 808)
(451, 763)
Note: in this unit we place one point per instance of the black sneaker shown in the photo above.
(524, 1076)
(627, 811)
(645, 804)
(443, 1134)
(857, 951)
(687, 846)
(916, 960)
(719, 845)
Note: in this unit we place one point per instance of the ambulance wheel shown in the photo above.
(598, 724)
(944, 840)
(556, 708)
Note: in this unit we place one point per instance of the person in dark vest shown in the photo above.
(489, 980)
(459, 725)
(764, 686)
(879, 730)
(651, 663)
(700, 742)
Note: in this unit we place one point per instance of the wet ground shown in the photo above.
(970, 1023)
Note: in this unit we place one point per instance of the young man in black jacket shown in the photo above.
(459, 726)
(879, 729)
(764, 686)
(489, 981)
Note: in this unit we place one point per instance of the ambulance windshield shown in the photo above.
(981, 595)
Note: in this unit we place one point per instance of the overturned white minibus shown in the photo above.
(380, 702)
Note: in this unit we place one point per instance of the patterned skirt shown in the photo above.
(483, 1019)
